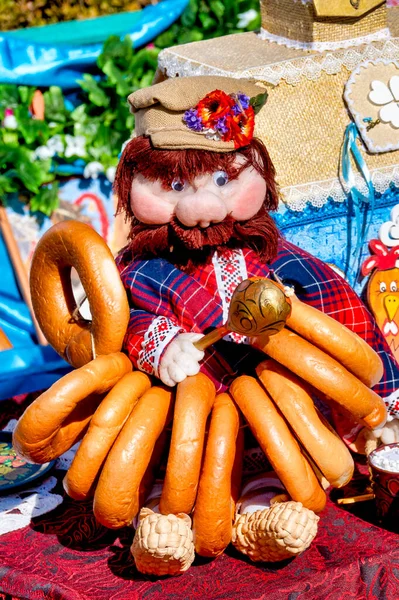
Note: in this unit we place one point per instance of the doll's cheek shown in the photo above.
(150, 209)
(247, 200)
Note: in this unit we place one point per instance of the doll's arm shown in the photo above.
(159, 346)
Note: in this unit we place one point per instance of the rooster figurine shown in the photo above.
(383, 290)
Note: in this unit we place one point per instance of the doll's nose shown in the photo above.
(201, 208)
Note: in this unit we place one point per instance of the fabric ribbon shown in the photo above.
(350, 150)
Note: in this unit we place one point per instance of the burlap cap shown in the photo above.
(159, 110)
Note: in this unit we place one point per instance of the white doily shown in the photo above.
(17, 510)
(292, 71)
(317, 193)
(382, 34)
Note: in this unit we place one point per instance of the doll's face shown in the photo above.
(208, 198)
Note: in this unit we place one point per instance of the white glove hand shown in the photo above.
(181, 359)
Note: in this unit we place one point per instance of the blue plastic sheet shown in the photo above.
(26, 367)
(59, 54)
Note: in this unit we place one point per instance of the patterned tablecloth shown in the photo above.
(66, 555)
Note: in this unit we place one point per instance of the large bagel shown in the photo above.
(118, 497)
(292, 397)
(212, 521)
(60, 416)
(348, 348)
(278, 443)
(325, 374)
(107, 421)
(73, 244)
(194, 400)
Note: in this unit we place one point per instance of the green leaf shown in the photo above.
(46, 200)
(258, 101)
(79, 115)
(9, 137)
(207, 21)
(9, 97)
(32, 130)
(96, 95)
(7, 186)
(168, 37)
(26, 94)
(217, 8)
(116, 50)
(189, 15)
(195, 35)
(117, 77)
(54, 105)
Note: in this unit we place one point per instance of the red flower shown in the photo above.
(242, 128)
(214, 106)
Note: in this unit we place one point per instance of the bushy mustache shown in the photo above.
(187, 247)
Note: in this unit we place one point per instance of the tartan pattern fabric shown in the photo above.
(192, 302)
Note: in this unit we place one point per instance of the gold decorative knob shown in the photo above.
(258, 306)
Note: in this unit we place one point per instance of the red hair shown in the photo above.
(139, 156)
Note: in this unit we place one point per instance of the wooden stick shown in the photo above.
(19, 269)
(354, 499)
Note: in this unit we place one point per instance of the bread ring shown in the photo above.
(348, 348)
(119, 492)
(59, 417)
(212, 521)
(194, 399)
(293, 398)
(278, 443)
(325, 374)
(74, 244)
(104, 428)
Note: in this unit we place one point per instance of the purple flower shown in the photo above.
(236, 110)
(221, 126)
(192, 120)
(244, 100)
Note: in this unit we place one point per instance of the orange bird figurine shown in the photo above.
(383, 290)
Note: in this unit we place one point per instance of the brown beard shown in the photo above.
(188, 247)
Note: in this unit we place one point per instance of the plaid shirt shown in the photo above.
(165, 302)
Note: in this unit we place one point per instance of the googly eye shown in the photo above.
(393, 287)
(178, 185)
(383, 287)
(220, 178)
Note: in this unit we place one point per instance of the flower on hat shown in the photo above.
(225, 117)
(213, 107)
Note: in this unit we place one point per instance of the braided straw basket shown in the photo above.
(163, 544)
(277, 533)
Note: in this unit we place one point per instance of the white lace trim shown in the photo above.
(230, 271)
(291, 71)
(382, 34)
(161, 331)
(317, 193)
(17, 510)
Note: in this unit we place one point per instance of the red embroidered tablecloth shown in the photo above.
(66, 555)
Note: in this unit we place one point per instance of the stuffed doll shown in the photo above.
(197, 189)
